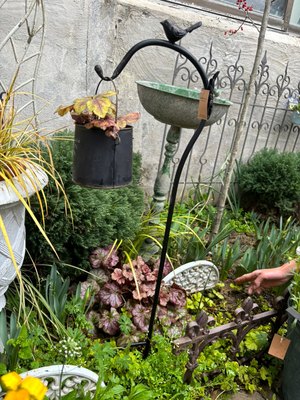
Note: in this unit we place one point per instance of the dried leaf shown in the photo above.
(64, 110)
(128, 119)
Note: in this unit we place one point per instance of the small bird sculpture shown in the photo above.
(212, 81)
(174, 33)
(212, 91)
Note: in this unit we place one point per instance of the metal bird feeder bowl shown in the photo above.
(177, 106)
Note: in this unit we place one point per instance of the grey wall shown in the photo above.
(82, 33)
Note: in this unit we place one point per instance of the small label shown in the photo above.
(203, 104)
(279, 346)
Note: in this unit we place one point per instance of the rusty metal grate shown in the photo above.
(201, 332)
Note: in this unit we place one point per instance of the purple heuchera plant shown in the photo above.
(105, 257)
(129, 288)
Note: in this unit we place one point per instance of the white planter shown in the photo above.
(62, 379)
(13, 214)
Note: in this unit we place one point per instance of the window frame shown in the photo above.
(231, 11)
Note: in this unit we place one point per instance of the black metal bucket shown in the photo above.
(100, 161)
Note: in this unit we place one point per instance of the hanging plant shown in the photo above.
(98, 111)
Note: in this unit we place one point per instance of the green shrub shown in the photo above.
(99, 216)
(270, 183)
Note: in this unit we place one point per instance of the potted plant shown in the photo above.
(294, 105)
(23, 172)
(103, 141)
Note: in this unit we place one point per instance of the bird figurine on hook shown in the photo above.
(175, 33)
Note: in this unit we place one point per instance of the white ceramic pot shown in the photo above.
(13, 214)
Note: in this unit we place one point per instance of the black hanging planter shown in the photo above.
(100, 161)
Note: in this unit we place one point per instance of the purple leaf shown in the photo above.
(111, 295)
(177, 296)
(118, 276)
(109, 321)
(164, 296)
(105, 257)
(141, 316)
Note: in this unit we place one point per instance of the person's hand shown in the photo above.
(267, 278)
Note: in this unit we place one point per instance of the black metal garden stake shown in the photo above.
(207, 85)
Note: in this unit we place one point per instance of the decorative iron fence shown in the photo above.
(268, 125)
(201, 332)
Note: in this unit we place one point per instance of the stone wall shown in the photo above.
(82, 33)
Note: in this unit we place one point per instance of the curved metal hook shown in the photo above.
(154, 42)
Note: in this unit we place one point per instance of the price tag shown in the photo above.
(279, 346)
(203, 103)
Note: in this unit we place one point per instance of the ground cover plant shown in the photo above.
(123, 368)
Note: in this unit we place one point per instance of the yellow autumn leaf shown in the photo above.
(99, 106)
(109, 93)
(80, 105)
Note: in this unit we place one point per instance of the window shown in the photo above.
(277, 8)
(295, 15)
(284, 15)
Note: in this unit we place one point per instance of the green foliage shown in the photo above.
(99, 216)
(161, 372)
(273, 245)
(8, 330)
(56, 293)
(295, 291)
(270, 182)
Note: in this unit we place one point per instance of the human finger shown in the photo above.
(246, 277)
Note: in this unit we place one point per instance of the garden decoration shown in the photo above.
(205, 109)
(12, 211)
(103, 141)
(62, 379)
(177, 107)
(194, 276)
(202, 332)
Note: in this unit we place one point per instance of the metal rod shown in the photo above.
(154, 42)
(167, 233)
(207, 86)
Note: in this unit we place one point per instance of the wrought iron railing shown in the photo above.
(268, 124)
(201, 332)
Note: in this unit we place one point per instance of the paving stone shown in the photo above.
(246, 396)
